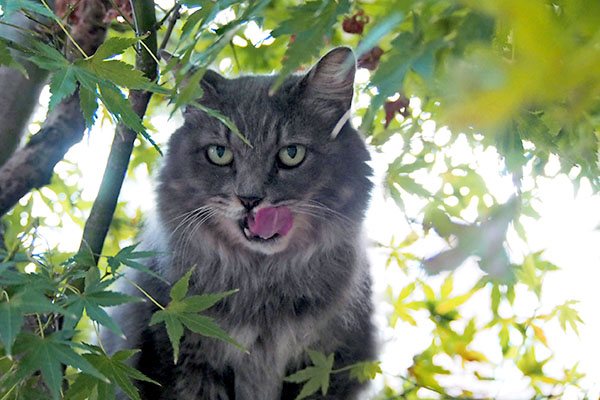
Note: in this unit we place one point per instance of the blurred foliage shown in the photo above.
(513, 80)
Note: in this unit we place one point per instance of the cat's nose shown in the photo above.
(249, 202)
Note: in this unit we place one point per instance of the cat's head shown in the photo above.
(303, 181)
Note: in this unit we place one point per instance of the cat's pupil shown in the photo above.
(292, 151)
(220, 151)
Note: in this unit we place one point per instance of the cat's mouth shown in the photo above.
(243, 223)
(267, 223)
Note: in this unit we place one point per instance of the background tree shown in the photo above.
(519, 79)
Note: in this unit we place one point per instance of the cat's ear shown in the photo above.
(331, 80)
(212, 82)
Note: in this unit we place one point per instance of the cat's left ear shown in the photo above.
(331, 81)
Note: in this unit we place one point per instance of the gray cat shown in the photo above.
(281, 221)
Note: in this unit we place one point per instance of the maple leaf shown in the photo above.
(115, 369)
(12, 312)
(183, 311)
(365, 370)
(315, 376)
(46, 355)
(93, 300)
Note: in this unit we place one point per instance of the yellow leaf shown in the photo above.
(540, 335)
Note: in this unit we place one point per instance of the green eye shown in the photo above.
(291, 156)
(219, 155)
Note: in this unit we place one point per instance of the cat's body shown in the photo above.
(304, 287)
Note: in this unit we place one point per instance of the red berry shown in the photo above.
(356, 23)
(370, 60)
(392, 107)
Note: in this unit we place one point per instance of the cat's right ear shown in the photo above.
(330, 82)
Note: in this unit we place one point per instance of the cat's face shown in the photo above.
(295, 187)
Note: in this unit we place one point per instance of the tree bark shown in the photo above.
(32, 166)
(15, 115)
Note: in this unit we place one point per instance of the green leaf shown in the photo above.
(116, 370)
(495, 298)
(225, 120)
(114, 46)
(27, 301)
(365, 370)
(62, 84)
(312, 23)
(11, 321)
(121, 74)
(174, 329)
(9, 7)
(378, 32)
(180, 288)
(183, 312)
(93, 299)
(7, 60)
(568, 315)
(207, 327)
(315, 377)
(47, 355)
(202, 302)
(121, 108)
(88, 102)
(47, 57)
(446, 287)
(128, 255)
(199, 18)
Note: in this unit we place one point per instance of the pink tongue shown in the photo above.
(271, 220)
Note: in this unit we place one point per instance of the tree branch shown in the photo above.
(15, 115)
(32, 166)
(98, 223)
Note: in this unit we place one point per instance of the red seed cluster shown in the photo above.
(356, 23)
(124, 6)
(370, 60)
(392, 107)
(73, 8)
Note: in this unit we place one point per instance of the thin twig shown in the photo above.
(172, 22)
(160, 23)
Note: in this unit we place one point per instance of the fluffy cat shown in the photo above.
(281, 221)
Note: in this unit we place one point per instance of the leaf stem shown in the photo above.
(346, 368)
(39, 320)
(98, 336)
(138, 287)
(9, 391)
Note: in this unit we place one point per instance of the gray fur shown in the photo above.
(308, 290)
